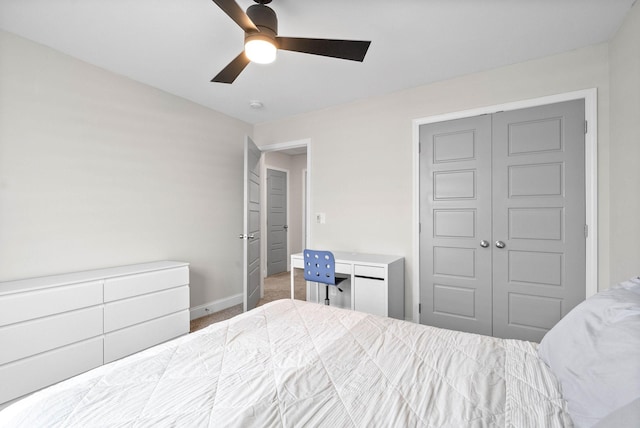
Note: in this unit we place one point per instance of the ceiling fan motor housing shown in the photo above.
(265, 19)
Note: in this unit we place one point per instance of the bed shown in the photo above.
(292, 363)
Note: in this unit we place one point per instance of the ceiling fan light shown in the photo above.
(260, 51)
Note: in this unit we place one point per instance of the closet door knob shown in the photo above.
(484, 243)
(500, 244)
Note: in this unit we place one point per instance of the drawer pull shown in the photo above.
(369, 277)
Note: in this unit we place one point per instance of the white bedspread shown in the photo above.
(297, 364)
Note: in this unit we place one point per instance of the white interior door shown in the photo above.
(251, 225)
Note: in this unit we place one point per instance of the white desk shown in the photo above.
(376, 283)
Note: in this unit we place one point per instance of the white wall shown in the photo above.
(624, 188)
(362, 152)
(97, 170)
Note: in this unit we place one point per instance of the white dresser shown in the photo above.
(55, 327)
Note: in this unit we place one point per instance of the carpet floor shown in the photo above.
(275, 287)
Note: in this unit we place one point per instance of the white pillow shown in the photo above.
(632, 285)
(594, 351)
(626, 416)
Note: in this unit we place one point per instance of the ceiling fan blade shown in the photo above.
(232, 70)
(231, 8)
(353, 50)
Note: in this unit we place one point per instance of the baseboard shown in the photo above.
(215, 306)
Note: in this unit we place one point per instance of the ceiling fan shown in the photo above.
(261, 40)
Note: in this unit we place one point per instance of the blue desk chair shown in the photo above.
(320, 266)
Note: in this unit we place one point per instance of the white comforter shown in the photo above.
(292, 363)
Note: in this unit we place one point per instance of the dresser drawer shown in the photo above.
(343, 268)
(30, 374)
(33, 337)
(24, 306)
(369, 271)
(127, 312)
(130, 340)
(149, 282)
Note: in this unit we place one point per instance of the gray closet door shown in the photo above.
(502, 212)
(455, 216)
(276, 222)
(539, 215)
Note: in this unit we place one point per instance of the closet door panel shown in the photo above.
(455, 216)
(539, 215)
(535, 223)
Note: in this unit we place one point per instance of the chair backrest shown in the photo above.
(319, 266)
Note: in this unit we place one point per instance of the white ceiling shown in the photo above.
(179, 45)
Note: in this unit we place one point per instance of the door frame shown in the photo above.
(306, 142)
(305, 208)
(590, 97)
(264, 220)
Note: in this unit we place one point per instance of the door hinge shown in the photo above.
(419, 227)
(419, 308)
(419, 147)
(586, 230)
(586, 126)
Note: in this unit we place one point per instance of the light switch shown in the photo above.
(321, 218)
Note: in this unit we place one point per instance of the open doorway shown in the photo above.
(285, 220)
(277, 210)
